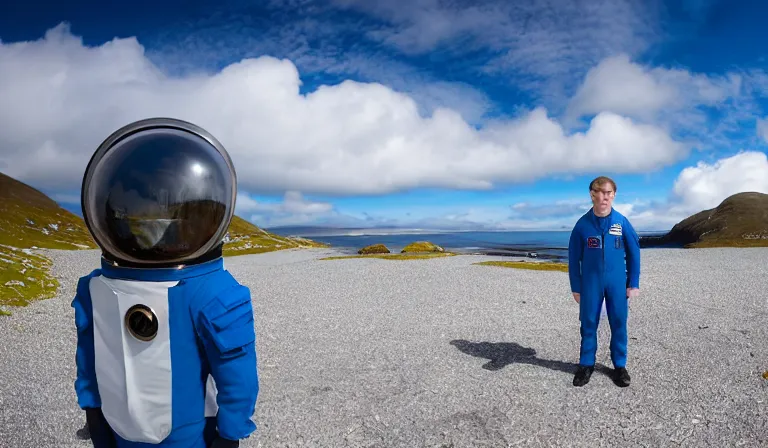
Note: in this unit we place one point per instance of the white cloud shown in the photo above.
(705, 186)
(293, 203)
(554, 209)
(618, 85)
(624, 209)
(702, 187)
(624, 87)
(268, 219)
(762, 128)
(313, 46)
(293, 210)
(245, 203)
(696, 188)
(61, 99)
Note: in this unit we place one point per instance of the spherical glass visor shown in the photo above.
(159, 191)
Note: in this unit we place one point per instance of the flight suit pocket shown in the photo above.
(617, 242)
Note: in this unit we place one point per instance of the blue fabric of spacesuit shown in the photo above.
(603, 261)
(210, 318)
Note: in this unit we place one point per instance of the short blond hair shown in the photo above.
(600, 180)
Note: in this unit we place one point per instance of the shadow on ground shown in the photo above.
(502, 354)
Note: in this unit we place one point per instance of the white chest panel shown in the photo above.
(134, 377)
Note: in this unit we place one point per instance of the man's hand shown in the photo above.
(633, 292)
(577, 297)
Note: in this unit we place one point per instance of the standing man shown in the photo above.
(603, 264)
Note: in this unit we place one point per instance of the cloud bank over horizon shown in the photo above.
(357, 138)
(350, 138)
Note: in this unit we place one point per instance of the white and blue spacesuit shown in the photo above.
(165, 335)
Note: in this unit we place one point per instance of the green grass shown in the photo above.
(29, 219)
(536, 266)
(400, 256)
(24, 277)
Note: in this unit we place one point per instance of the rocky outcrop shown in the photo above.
(741, 220)
(422, 246)
(374, 249)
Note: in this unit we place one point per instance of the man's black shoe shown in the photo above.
(621, 377)
(583, 373)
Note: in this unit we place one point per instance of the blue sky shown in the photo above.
(418, 113)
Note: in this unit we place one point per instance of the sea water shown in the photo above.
(550, 245)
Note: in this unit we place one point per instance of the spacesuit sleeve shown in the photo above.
(632, 244)
(226, 327)
(86, 387)
(575, 250)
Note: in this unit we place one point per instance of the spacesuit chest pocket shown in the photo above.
(617, 242)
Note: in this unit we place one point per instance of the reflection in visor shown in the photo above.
(149, 231)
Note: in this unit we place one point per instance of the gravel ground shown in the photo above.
(441, 353)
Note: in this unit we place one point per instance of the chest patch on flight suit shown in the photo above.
(615, 229)
(593, 242)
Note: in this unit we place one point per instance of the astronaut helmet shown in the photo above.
(158, 193)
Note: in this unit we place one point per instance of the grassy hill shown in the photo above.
(741, 220)
(246, 238)
(29, 219)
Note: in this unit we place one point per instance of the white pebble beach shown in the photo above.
(444, 353)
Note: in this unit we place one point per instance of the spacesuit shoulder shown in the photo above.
(84, 280)
(223, 312)
(210, 286)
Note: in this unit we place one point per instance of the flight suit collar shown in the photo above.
(609, 218)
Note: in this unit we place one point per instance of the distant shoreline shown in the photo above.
(543, 245)
(307, 232)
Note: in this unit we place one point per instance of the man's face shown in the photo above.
(602, 196)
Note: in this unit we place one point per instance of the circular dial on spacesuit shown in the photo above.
(159, 192)
(141, 322)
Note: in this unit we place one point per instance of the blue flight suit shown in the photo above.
(603, 261)
(196, 380)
